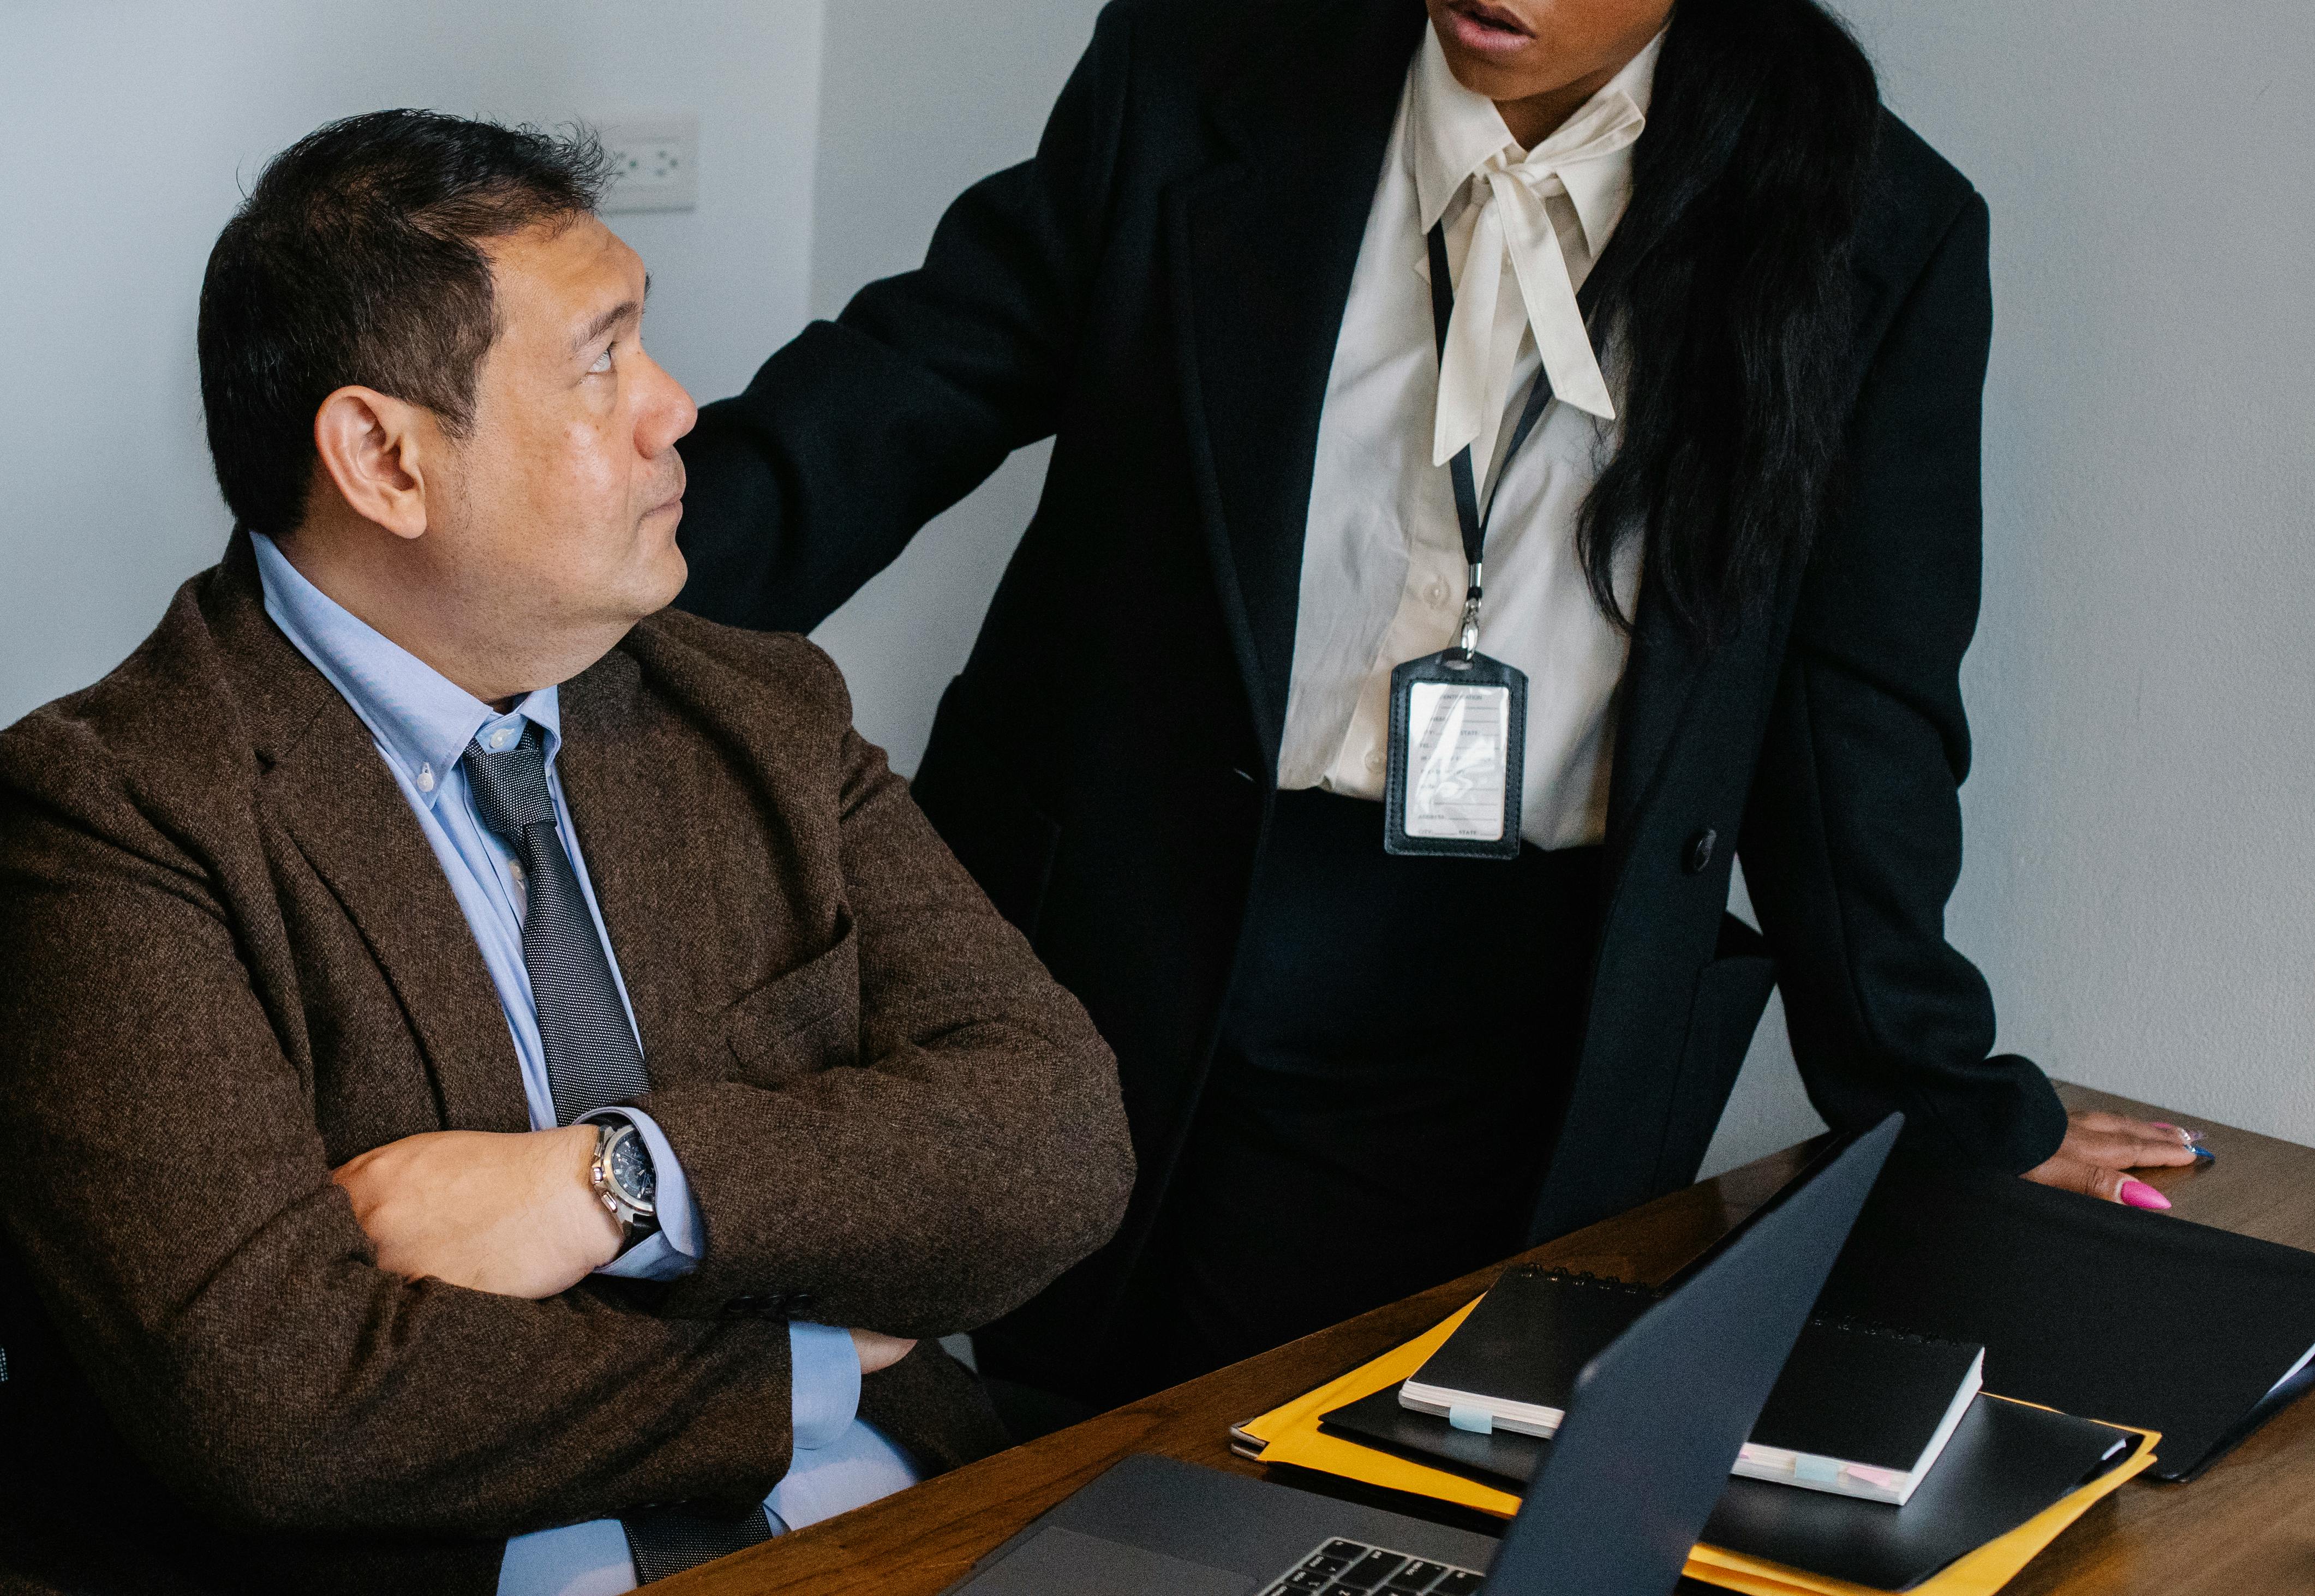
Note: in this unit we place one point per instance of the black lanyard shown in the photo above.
(1467, 491)
(1457, 719)
(1614, 262)
(1468, 515)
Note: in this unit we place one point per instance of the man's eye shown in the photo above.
(602, 363)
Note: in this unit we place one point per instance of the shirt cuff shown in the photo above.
(824, 1390)
(672, 1249)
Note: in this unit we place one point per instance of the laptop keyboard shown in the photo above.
(1352, 1568)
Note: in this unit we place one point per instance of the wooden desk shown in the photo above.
(2246, 1527)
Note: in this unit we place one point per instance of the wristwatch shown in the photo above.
(623, 1178)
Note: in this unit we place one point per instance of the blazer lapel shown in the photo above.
(1265, 247)
(325, 785)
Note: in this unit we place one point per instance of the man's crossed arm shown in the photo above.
(300, 1348)
(510, 1214)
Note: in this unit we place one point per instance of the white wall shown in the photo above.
(910, 117)
(160, 114)
(2141, 884)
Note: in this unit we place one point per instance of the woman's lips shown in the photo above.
(1485, 29)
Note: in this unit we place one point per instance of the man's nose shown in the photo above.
(668, 413)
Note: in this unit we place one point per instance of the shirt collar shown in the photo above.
(1457, 131)
(423, 720)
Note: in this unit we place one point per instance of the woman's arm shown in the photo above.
(864, 429)
(1852, 839)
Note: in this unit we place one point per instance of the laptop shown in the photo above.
(1652, 1431)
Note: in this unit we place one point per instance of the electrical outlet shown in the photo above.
(654, 162)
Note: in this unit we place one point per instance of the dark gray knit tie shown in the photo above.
(593, 1061)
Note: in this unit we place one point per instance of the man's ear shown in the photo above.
(375, 449)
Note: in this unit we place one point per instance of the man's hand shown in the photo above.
(879, 1350)
(509, 1214)
(2098, 1148)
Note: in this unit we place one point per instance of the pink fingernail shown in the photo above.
(2139, 1195)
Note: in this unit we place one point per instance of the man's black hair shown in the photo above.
(358, 258)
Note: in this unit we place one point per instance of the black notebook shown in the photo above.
(1857, 1412)
(2089, 1306)
(2006, 1463)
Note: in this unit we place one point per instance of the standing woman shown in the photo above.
(1509, 463)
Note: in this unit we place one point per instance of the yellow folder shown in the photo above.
(1291, 1435)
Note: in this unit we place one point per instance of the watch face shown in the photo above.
(631, 1167)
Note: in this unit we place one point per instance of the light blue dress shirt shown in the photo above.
(421, 722)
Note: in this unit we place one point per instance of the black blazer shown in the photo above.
(1160, 291)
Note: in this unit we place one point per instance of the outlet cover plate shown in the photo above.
(654, 161)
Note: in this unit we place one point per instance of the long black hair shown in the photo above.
(1732, 310)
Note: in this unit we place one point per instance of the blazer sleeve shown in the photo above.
(973, 1148)
(1852, 839)
(862, 429)
(169, 1198)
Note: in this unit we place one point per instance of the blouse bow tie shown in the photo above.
(1514, 230)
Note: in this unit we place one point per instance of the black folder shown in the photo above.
(2005, 1463)
(2091, 1307)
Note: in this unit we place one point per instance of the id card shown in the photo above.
(1458, 747)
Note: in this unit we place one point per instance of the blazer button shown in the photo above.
(796, 1304)
(742, 1308)
(1698, 859)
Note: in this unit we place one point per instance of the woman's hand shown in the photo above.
(2098, 1148)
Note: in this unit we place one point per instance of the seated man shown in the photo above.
(465, 1032)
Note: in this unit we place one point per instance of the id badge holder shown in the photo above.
(1458, 749)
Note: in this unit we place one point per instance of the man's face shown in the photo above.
(560, 509)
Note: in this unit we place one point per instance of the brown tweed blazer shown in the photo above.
(229, 962)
